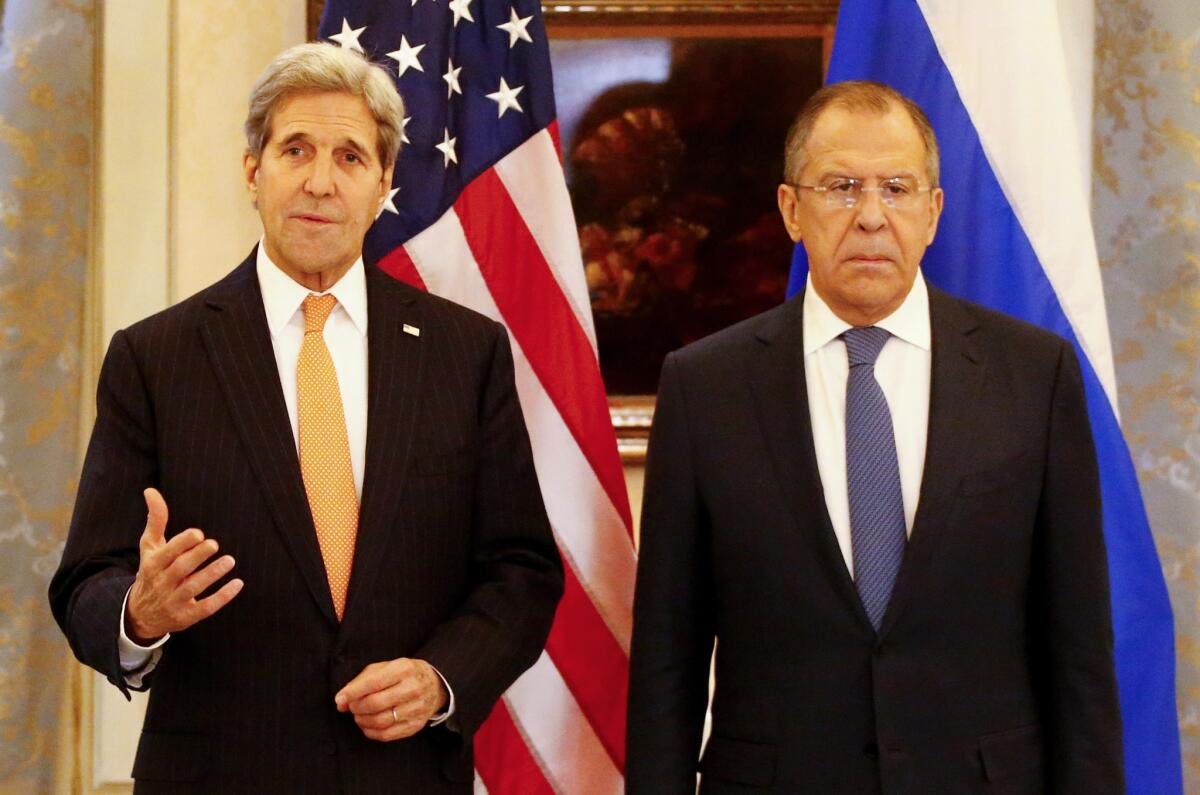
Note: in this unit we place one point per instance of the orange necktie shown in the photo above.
(325, 451)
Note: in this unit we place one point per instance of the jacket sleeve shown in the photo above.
(673, 609)
(501, 626)
(1071, 596)
(100, 558)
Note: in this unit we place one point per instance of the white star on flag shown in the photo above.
(446, 147)
(349, 38)
(451, 78)
(461, 10)
(388, 204)
(506, 98)
(406, 56)
(515, 28)
(403, 127)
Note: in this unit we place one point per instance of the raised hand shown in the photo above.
(169, 578)
(394, 699)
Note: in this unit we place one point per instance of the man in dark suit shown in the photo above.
(376, 492)
(882, 503)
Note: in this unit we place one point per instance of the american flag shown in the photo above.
(479, 213)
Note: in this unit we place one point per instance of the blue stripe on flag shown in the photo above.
(982, 253)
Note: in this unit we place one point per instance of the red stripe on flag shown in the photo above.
(592, 664)
(399, 265)
(554, 136)
(503, 759)
(538, 315)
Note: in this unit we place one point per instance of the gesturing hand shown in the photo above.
(394, 699)
(169, 577)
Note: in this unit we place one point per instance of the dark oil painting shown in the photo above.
(673, 149)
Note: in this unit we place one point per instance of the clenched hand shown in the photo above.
(394, 699)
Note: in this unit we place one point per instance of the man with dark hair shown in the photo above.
(882, 504)
(373, 492)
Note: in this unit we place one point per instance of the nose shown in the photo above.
(320, 182)
(870, 215)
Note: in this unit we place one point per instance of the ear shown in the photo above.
(250, 172)
(789, 208)
(385, 182)
(939, 199)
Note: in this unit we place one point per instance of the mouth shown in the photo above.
(312, 218)
(869, 258)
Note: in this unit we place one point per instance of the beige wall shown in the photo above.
(218, 48)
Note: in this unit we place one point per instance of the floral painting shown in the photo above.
(673, 149)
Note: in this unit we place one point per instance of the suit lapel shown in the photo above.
(395, 368)
(955, 380)
(776, 375)
(239, 347)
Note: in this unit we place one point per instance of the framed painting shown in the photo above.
(672, 119)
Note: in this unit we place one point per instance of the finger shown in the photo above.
(205, 607)
(376, 676)
(190, 560)
(196, 583)
(156, 515)
(379, 720)
(382, 700)
(161, 556)
(182, 542)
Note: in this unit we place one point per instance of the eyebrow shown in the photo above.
(839, 172)
(302, 137)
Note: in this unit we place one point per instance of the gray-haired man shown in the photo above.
(356, 561)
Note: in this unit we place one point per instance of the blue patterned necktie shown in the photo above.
(877, 531)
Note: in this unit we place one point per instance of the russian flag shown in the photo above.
(1007, 85)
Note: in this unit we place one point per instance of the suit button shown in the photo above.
(871, 751)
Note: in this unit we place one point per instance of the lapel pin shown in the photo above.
(416, 332)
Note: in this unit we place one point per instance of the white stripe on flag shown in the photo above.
(596, 539)
(586, 523)
(533, 177)
(1030, 137)
(559, 735)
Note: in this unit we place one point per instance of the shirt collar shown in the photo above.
(910, 321)
(282, 296)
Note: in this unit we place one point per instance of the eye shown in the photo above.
(351, 157)
(897, 187)
(293, 151)
(842, 186)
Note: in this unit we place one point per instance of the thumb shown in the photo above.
(156, 515)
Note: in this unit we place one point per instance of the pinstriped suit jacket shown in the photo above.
(455, 562)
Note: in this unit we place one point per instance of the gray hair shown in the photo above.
(858, 96)
(319, 67)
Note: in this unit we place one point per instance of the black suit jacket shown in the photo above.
(993, 669)
(455, 563)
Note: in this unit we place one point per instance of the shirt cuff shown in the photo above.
(137, 661)
(445, 714)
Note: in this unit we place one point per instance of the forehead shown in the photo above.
(324, 114)
(865, 144)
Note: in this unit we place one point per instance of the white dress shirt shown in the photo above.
(902, 370)
(346, 337)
